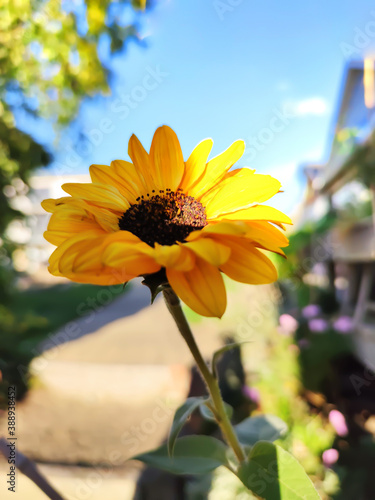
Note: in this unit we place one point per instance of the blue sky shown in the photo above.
(229, 69)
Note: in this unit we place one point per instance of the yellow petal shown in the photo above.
(68, 221)
(88, 249)
(84, 210)
(217, 168)
(258, 239)
(105, 278)
(133, 258)
(264, 233)
(100, 276)
(210, 250)
(196, 165)
(51, 205)
(241, 191)
(166, 159)
(202, 288)
(257, 212)
(255, 230)
(56, 237)
(234, 228)
(125, 237)
(103, 174)
(103, 275)
(174, 257)
(71, 219)
(80, 259)
(247, 264)
(102, 196)
(207, 196)
(105, 218)
(130, 175)
(142, 163)
(61, 249)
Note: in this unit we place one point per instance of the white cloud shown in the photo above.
(311, 106)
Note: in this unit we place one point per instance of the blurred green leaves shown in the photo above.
(49, 63)
(50, 53)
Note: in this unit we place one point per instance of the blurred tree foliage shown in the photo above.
(49, 62)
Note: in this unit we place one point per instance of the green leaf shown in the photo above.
(260, 428)
(208, 415)
(180, 417)
(192, 455)
(274, 474)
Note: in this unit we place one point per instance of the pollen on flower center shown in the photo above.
(164, 218)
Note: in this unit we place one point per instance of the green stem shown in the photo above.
(174, 307)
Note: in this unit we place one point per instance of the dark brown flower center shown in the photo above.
(164, 218)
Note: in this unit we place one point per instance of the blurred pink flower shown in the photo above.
(330, 457)
(251, 393)
(318, 325)
(288, 324)
(344, 324)
(338, 422)
(311, 311)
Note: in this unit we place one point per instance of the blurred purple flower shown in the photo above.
(288, 324)
(344, 324)
(311, 311)
(318, 325)
(303, 343)
(338, 422)
(251, 393)
(330, 457)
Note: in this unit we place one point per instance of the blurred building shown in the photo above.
(340, 200)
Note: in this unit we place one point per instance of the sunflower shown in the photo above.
(185, 222)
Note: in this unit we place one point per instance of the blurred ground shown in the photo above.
(77, 483)
(110, 394)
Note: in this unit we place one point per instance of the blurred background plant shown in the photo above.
(332, 381)
(49, 64)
